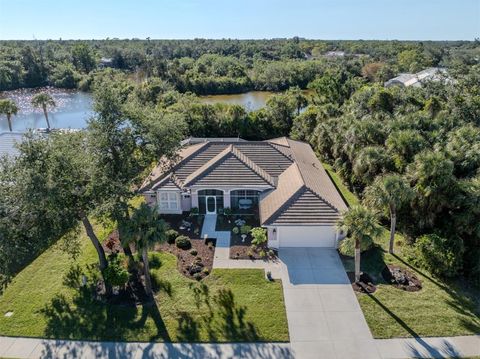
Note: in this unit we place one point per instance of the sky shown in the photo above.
(245, 19)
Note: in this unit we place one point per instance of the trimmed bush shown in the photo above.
(193, 252)
(440, 256)
(235, 230)
(183, 242)
(171, 236)
(259, 235)
(245, 229)
(194, 211)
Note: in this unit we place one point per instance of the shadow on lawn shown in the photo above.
(459, 302)
(223, 315)
(83, 317)
(464, 303)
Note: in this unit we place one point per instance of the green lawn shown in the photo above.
(230, 305)
(441, 308)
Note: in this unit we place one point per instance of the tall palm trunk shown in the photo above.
(102, 259)
(9, 120)
(146, 270)
(357, 260)
(46, 116)
(393, 223)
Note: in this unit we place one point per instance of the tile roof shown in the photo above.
(8, 140)
(301, 190)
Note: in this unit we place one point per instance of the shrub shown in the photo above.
(347, 246)
(194, 211)
(171, 235)
(183, 242)
(262, 253)
(206, 271)
(235, 230)
(245, 229)
(227, 212)
(116, 274)
(197, 276)
(259, 235)
(440, 256)
(250, 253)
(193, 252)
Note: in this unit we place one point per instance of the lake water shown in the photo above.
(74, 108)
(252, 101)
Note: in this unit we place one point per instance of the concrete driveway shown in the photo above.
(324, 317)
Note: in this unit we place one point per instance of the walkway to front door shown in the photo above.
(222, 248)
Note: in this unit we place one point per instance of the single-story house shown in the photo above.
(280, 180)
(416, 80)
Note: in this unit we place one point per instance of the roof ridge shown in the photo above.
(167, 171)
(250, 163)
(202, 169)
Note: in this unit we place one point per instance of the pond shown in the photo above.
(72, 110)
(252, 101)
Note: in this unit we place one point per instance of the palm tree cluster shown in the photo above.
(415, 162)
(41, 100)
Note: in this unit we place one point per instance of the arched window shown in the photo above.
(244, 199)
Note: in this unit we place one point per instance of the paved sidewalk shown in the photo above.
(449, 347)
(41, 348)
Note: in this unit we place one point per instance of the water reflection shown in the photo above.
(73, 108)
(252, 101)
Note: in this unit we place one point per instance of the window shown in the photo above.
(242, 199)
(168, 201)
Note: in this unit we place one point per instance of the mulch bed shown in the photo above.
(186, 260)
(365, 285)
(243, 250)
(188, 264)
(401, 278)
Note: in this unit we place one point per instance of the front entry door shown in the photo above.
(211, 205)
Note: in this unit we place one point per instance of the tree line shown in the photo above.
(217, 66)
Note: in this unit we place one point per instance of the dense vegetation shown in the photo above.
(426, 140)
(216, 66)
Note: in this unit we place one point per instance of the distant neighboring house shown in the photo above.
(280, 180)
(416, 80)
(8, 140)
(106, 62)
(334, 54)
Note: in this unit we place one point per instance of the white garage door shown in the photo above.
(306, 236)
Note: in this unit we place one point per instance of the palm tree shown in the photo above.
(360, 224)
(43, 100)
(145, 229)
(8, 108)
(388, 193)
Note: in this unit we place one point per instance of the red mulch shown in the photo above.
(401, 278)
(365, 285)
